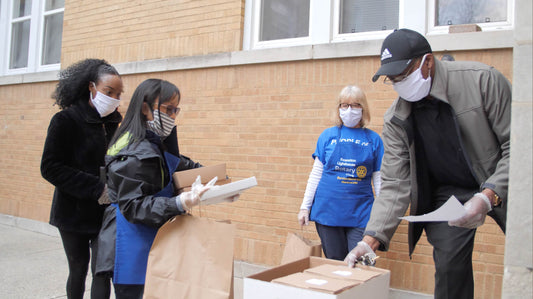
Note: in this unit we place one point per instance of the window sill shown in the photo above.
(444, 42)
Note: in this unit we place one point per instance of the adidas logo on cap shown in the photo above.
(386, 54)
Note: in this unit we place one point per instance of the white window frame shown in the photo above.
(493, 26)
(418, 15)
(36, 41)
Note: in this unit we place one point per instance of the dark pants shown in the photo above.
(338, 241)
(128, 291)
(452, 253)
(78, 249)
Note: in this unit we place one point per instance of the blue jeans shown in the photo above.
(337, 241)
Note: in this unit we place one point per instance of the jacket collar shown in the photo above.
(439, 86)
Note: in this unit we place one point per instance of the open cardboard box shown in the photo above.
(260, 285)
(183, 180)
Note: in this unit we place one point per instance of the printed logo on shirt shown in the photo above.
(356, 141)
(361, 171)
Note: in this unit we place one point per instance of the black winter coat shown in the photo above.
(73, 152)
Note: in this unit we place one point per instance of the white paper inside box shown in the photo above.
(260, 285)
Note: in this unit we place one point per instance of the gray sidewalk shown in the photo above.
(33, 264)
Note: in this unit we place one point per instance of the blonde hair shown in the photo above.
(352, 92)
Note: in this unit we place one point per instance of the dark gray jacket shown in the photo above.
(134, 174)
(480, 97)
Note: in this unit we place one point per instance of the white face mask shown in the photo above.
(105, 105)
(351, 117)
(155, 125)
(414, 87)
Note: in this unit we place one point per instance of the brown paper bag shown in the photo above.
(191, 257)
(297, 247)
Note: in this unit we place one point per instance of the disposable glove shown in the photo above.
(192, 198)
(303, 217)
(104, 198)
(476, 210)
(363, 253)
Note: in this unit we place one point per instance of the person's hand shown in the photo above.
(303, 217)
(362, 249)
(104, 198)
(192, 198)
(476, 210)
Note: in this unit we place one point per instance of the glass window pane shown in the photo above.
(368, 15)
(53, 31)
(54, 4)
(21, 8)
(20, 41)
(284, 19)
(455, 12)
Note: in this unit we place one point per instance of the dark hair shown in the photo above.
(74, 81)
(147, 92)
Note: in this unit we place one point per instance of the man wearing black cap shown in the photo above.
(447, 134)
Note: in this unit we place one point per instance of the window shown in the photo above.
(282, 23)
(356, 16)
(281, 19)
(488, 14)
(278, 23)
(32, 32)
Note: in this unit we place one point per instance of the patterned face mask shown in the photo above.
(161, 126)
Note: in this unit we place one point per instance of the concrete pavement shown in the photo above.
(33, 264)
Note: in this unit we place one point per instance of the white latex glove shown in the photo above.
(477, 208)
(192, 198)
(362, 249)
(303, 217)
(104, 198)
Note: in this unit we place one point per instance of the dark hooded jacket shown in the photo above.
(74, 150)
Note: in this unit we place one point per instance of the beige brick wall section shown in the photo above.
(123, 31)
(262, 120)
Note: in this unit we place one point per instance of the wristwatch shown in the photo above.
(497, 200)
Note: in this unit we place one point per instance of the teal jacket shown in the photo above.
(480, 97)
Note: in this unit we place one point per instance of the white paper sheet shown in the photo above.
(452, 209)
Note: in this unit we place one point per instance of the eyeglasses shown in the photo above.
(171, 110)
(395, 79)
(345, 106)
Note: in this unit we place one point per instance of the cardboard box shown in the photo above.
(260, 285)
(306, 280)
(358, 274)
(184, 179)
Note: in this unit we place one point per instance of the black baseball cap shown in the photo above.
(398, 49)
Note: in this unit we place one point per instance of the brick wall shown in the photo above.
(124, 30)
(262, 120)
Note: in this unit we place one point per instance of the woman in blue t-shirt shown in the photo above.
(339, 193)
